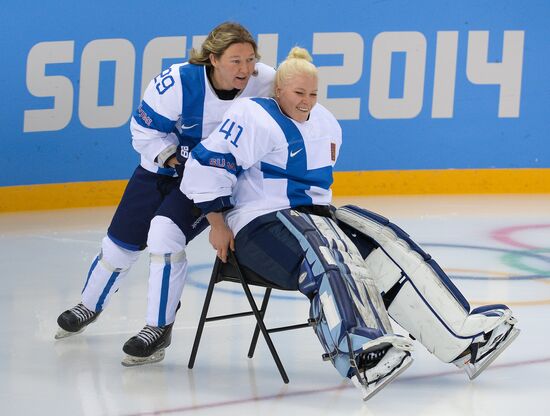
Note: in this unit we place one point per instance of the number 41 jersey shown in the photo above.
(179, 106)
(264, 160)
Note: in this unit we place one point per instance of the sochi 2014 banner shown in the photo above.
(427, 84)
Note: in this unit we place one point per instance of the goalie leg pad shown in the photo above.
(350, 319)
(420, 296)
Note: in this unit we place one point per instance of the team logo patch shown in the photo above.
(333, 152)
(143, 115)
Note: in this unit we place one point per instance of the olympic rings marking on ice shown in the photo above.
(512, 256)
(509, 254)
(513, 260)
(504, 235)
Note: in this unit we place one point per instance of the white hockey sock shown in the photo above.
(106, 273)
(167, 271)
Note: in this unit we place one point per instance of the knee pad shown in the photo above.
(114, 257)
(347, 310)
(165, 236)
(418, 294)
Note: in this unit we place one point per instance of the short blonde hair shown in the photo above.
(298, 61)
(221, 38)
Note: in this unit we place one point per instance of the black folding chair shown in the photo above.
(233, 272)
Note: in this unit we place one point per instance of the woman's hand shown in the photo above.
(221, 236)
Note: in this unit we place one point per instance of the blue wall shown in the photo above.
(420, 89)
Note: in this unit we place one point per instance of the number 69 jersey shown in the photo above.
(279, 163)
(179, 106)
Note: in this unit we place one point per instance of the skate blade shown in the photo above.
(131, 361)
(61, 333)
(474, 371)
(370, 390)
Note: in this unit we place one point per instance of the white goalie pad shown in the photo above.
(419, 296)
(347, 311)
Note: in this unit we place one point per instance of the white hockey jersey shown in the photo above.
(179, 106)
(279, 163)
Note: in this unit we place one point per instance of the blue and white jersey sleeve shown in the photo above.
(238, 143)
(155, 118)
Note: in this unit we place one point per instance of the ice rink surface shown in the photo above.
(495, 248)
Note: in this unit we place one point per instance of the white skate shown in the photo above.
(372, 380)
(484, 352)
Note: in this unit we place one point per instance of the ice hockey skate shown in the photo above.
(379, 366)
(148, 346)
(73, 321)
(483, 352)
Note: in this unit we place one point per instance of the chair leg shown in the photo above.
(259, 320)
(205, 307)
(263, 308)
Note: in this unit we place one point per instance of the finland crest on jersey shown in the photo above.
(280, 163)
(180, 107)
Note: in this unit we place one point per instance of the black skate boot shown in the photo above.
(148, 346)
(75, 320)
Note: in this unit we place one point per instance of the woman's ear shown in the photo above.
(213, 59)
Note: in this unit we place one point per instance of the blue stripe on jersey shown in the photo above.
(299, 178)
(186, 140)
(214, 159)
(145, 116)
(193, 85)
